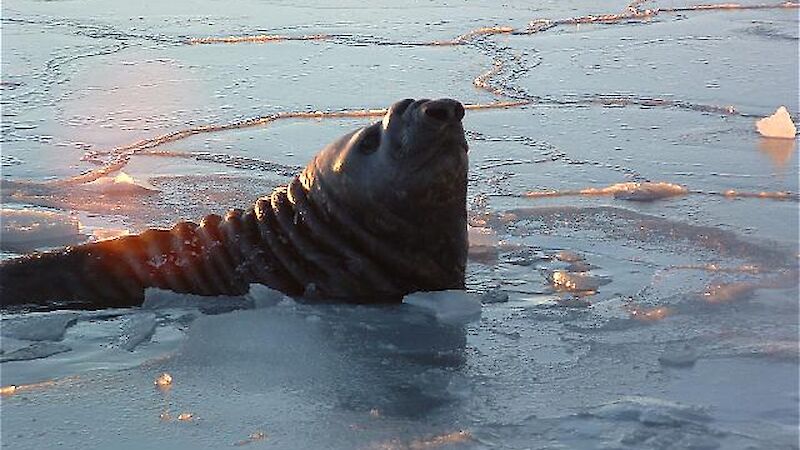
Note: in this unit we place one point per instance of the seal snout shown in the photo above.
(443, 110)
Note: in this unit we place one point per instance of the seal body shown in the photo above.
(377, 214)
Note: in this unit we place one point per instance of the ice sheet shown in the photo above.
(605, 322)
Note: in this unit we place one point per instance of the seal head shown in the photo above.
(399, 188)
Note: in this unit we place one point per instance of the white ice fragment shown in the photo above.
(23, 230)
(38, 327)
(778, 125)
(264, 296)
(453, 307)
(652, 411)
(122, 184)
(482, 243)
(576, 281)
(136, 329)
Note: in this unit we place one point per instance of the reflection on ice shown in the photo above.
(780, 151)
(28, 229)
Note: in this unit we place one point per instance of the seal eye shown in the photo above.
(370, 139)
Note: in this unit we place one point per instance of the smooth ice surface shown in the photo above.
(634, 238)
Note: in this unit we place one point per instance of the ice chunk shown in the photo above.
(482, 243)
(155, 298)
(39, 327)
(122, 184)
(23, 230)
(568, 256)
(481, 237)
(452, 307)
(576, 281)
(264, 296)
(643, 192)
(494, 296)
(652, 411)
(647, 192)
(137, 329)
(778, 125)
(36, 350)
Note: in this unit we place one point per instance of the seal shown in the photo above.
(377, 214)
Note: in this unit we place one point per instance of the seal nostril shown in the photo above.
(441, 113)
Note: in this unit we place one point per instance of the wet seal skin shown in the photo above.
(377, 214)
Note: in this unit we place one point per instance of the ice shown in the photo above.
(451, 307)
(34, 351)
(30, 229)
(264, 296)
(38, 327)
(778, 125)
(122, 184)
(643, 192)
(137, 329)
(680, 357)
(577, 281)
(652, 411)
(630, 123)
(155, 299)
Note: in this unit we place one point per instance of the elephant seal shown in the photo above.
(377, 214)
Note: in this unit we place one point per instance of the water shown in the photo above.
(634, 240)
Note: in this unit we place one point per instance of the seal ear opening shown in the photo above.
(370, 139)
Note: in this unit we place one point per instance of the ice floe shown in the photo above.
(452, 307)
(778, 125)
(121, 184)
(38, 327)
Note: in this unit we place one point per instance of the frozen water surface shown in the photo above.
(635, 239)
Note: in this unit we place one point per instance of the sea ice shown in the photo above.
(576, 281)
(27, 230)
(451, 307)
(483, 243)
(36, 350)
(263, 296)
(137, 328)
(155, 298)
(679, 357)
(122, 184)
(652, 411)
(778, 125)
(38, 327)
